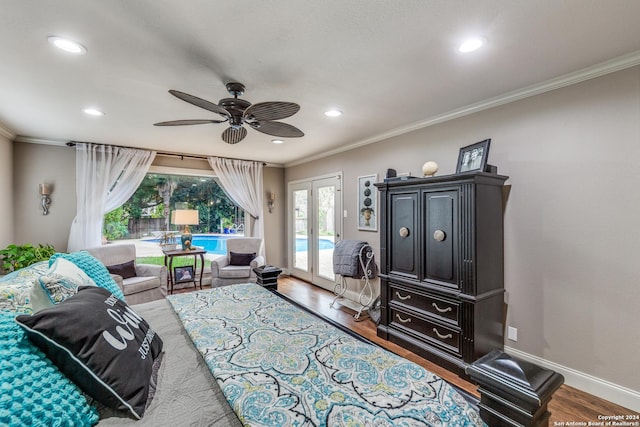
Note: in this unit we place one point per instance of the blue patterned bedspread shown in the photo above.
(278, 365)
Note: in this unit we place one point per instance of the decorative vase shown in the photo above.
(429, 168)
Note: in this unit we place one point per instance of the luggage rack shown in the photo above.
(367, 266)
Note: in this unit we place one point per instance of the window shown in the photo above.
(149, 209)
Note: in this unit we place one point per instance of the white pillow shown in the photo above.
(61, 281)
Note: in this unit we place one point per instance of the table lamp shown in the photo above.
(185, 217)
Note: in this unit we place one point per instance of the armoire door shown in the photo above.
(441, 238)
(403, 234)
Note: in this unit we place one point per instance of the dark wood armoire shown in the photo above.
(441, 264)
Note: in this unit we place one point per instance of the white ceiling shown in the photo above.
(390, 65)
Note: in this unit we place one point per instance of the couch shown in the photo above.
(140, 283)
(243, 255)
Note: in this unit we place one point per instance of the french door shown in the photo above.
(315, 224)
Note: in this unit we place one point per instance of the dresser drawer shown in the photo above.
(447, 338)
(443, 308)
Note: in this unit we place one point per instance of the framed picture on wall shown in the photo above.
(367, 203)
(183, 274)
(473, 158)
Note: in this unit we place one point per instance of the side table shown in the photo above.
(168, 262)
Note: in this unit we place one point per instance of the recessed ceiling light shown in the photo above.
(471, 45)
(93, 112)
(67, 45)
(277, 141)
(333, 113)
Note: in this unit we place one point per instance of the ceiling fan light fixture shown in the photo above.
(333, 113)
(262, 116)
(471, 45)
(277, 141)
(68, 45)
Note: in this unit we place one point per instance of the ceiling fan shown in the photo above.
(260, 116)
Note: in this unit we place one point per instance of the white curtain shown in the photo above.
(242, 180)
(106, 177)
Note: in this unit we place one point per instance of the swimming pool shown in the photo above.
(217, 244)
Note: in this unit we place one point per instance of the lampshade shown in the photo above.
(185, 217)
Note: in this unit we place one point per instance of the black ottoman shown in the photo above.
(267, 276)
(513, 392)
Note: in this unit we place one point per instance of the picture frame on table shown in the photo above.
(184, 274)
(473, 158)
(367, 203)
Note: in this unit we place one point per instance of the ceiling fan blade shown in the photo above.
(268, 111)
(233, 135)
(199, 102)
(187, 122)
(277, 129)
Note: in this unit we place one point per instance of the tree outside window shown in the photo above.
(149, 209)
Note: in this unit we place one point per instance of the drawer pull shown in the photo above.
(404, 232)
(440, 310)
(403, 320)
(401, 297)
(439, 235)
(442, 337)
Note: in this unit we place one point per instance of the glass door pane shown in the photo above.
(301, 224)
(326, 226)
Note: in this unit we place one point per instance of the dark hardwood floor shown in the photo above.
(568, 406)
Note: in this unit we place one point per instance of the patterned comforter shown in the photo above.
(278, 365)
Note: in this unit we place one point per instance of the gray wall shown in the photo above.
(571, 233)
(34, 164)
(6, 191)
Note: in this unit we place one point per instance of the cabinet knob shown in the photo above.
(439, 235)
(404, 231)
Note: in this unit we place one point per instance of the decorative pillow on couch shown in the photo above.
(33, 391)
(101, 344)
(60, 282)
(124, 270)
(236, 258)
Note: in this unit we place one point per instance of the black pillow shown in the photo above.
(101, 344)
(236, 258)
(125, 270)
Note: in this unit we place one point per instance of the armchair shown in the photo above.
(139, 282)
(238, 264)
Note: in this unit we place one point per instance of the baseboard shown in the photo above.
(603, 389)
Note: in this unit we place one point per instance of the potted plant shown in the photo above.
(226, 225)
(15, 257)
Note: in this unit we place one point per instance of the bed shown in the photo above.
(276, 364)
(230, 356)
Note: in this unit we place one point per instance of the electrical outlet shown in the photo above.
(512, 333)
(345, 213)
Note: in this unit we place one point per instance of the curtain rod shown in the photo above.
(162, 153)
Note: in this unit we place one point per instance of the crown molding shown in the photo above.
(601, 69)
(6, 132)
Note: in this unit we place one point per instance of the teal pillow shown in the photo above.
(94, 269)
(33, 391)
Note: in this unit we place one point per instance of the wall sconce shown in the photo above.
(45, 192)
(271, 198)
